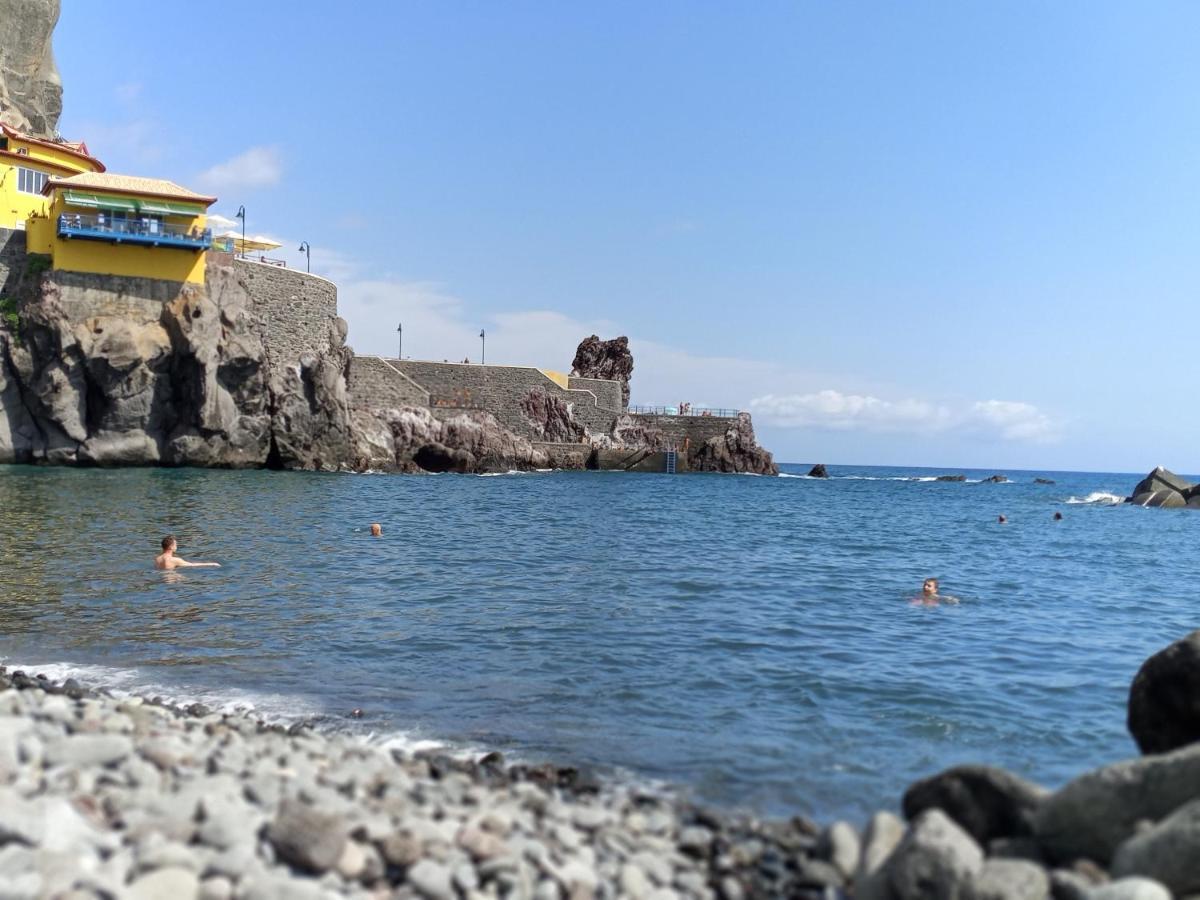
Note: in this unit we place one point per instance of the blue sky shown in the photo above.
(945, 234)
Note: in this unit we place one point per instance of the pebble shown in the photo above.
(165, 884)
(431, 880)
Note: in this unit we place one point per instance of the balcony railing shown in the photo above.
(149, 232)
(684, 410)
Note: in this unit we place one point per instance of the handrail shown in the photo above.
(150, 229)
(692, 411)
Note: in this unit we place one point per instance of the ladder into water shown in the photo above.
(671, 461)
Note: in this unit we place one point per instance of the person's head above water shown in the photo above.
(930, 587)
(376, 530)
(169, 543)
(1057, 516)
(1002, 519)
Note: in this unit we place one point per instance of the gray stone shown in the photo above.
(1131, 889)
(1009, 879)
(306, 838)
(165, 884)
(402, 848)
(1095, 813)
(1164, 698)
(935, 860)
(277, 886)
(1168, 852)
(882, 834)
(431, 880)
(353, 861)
(30, 86)
(1068, 885)
(695, 840)
(88, 750)
(1165, 499)
(1162, 480)
(987, 802)
(633, 881)
(480, 844)
(218, 887)
(840, 846)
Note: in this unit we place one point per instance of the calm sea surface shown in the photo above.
(749, 639)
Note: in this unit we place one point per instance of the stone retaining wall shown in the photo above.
(499, 390)
(608, 392)
(374, 383)
(12, 259)
(694, 429)
(297, 308)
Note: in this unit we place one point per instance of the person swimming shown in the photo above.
(930, 595)
(168, 560)
(376, 530)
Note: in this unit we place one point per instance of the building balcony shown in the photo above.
(148, 233)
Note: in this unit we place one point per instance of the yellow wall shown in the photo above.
(111, 258)
(16, 206)
(557, 377)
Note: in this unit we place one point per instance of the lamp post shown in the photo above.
(241, 214)
(400, 341)
(482, 347)
(307, 251)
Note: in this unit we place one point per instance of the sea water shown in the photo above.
(747, 640)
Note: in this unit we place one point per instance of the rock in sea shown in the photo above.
(1168, 852)
(1164, 698)
(818, 471)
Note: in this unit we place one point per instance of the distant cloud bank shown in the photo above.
(834, 410)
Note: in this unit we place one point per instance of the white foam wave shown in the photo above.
(503, 474)
(1102, 498)
(788, 475)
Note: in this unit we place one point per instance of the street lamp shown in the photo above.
(307, 251)
(482, 347)
(241, 214)
(400, 340)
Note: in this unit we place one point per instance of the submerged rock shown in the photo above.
(994, 479)
(1164, 698)
(951, 478)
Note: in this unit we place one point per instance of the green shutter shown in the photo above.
(169, 208)
(100, 201)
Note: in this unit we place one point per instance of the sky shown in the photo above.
(937, 233)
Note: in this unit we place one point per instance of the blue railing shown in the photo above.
(132, 231)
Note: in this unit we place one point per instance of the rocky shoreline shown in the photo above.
(113, 797)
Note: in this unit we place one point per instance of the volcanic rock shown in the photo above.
(818, 471)
(1044, 481)
(611, 360)
(551, 418)
(1163, 487)
(936, 860)
(30, 87)
(994, 479)
(1164, 698)
(735, 451)
(951, 478)
(988, 802)
(1165, 852)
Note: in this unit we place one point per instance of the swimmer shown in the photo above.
(930, 596)
(1003, 520)
(1058, 517)
(168, 560)
(376, 530)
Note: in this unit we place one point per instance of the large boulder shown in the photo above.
(734, 451)
(1091, 816)
(1009, 879)
(988, 802)
(818, 471)
(1164, 698)
(1164, 488)
(550, 417)
(936, 860)
(610, 360)
(30, 86)
(1168, 852)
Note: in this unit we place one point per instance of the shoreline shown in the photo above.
(113, 797)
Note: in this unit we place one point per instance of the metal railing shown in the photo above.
(702, 411)
(141, 231)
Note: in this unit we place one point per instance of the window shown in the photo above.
(30, 181)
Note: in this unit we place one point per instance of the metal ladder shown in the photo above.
(670, 460)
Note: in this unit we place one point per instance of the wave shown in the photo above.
(1102, 498)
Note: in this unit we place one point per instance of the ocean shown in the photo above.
(747, 641)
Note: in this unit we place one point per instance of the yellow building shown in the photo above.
(26, 164)
(123, 225)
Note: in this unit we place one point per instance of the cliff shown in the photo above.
(30, 89)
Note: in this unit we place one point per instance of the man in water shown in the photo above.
(1002, 519)
(930, 596)
(1057, 516)
(376, 530)
(168, 560)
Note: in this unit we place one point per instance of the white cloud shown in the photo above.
(837, 411)
(253, 168)
(1015, 421)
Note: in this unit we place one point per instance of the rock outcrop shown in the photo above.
(595, 358)
(125, 371)
(818, 471)
(551, 418)
(1164, 488)
(30, 88)
(735, 451)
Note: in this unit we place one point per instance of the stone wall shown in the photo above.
(499, 390)
(12, 259)
(694, 429)
(374, 383)
(296, 308)
(608, 393)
